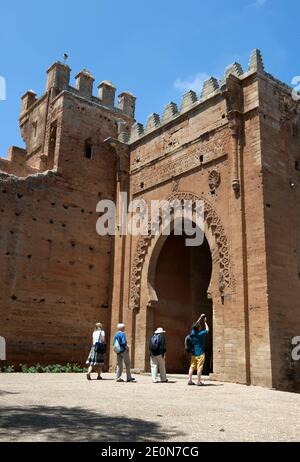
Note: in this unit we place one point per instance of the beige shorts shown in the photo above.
(197, 362)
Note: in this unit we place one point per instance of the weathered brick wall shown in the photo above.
(55, 269)
(253, 232)
(15, 163)
(51, 258)
(33, 126)
(280, 141)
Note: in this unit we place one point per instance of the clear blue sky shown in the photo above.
(154, 49)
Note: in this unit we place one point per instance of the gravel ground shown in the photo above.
(66, 407)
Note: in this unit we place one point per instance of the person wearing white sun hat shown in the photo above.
(157, 347)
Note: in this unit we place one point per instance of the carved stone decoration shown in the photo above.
(205, 150)
(226, 279)
(175, 185)
(211, 148)
(236, 185)
(236, 132)
(171, 141)
(214, 180)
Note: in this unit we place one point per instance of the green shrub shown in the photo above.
(49, 369)
(52, 369)
(24, 368)
(31, 370)
(77, 368)
(7, 369)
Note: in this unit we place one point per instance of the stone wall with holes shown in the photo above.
(253, 255)
(280, 141)
(55, 269)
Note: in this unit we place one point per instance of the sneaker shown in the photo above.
(131, 380)
(99, 377)
(165, 381)
(200, 384)
(119, 380)
(191, 383)
(88, 376)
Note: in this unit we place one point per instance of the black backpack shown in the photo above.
(100, 347)
(188, 344)
(155, 345)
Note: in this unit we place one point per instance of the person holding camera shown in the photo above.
(197, 338)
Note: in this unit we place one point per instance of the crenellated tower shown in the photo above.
(68, 124)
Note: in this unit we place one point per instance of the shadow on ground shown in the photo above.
(42, 423)
(3, 393)
(213, 385)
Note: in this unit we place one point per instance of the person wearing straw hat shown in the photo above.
(157, 347)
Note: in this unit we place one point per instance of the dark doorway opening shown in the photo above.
(182, 278)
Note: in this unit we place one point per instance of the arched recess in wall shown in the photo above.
(149, 247)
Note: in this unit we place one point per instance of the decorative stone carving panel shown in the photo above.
(197, 153)
(214, 180)
(226, 279)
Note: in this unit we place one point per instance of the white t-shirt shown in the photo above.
(98, 334)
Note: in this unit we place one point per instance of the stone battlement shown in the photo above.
(58, 80)
(211, 87)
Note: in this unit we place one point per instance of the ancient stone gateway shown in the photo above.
(212, 277)
(235, 147)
